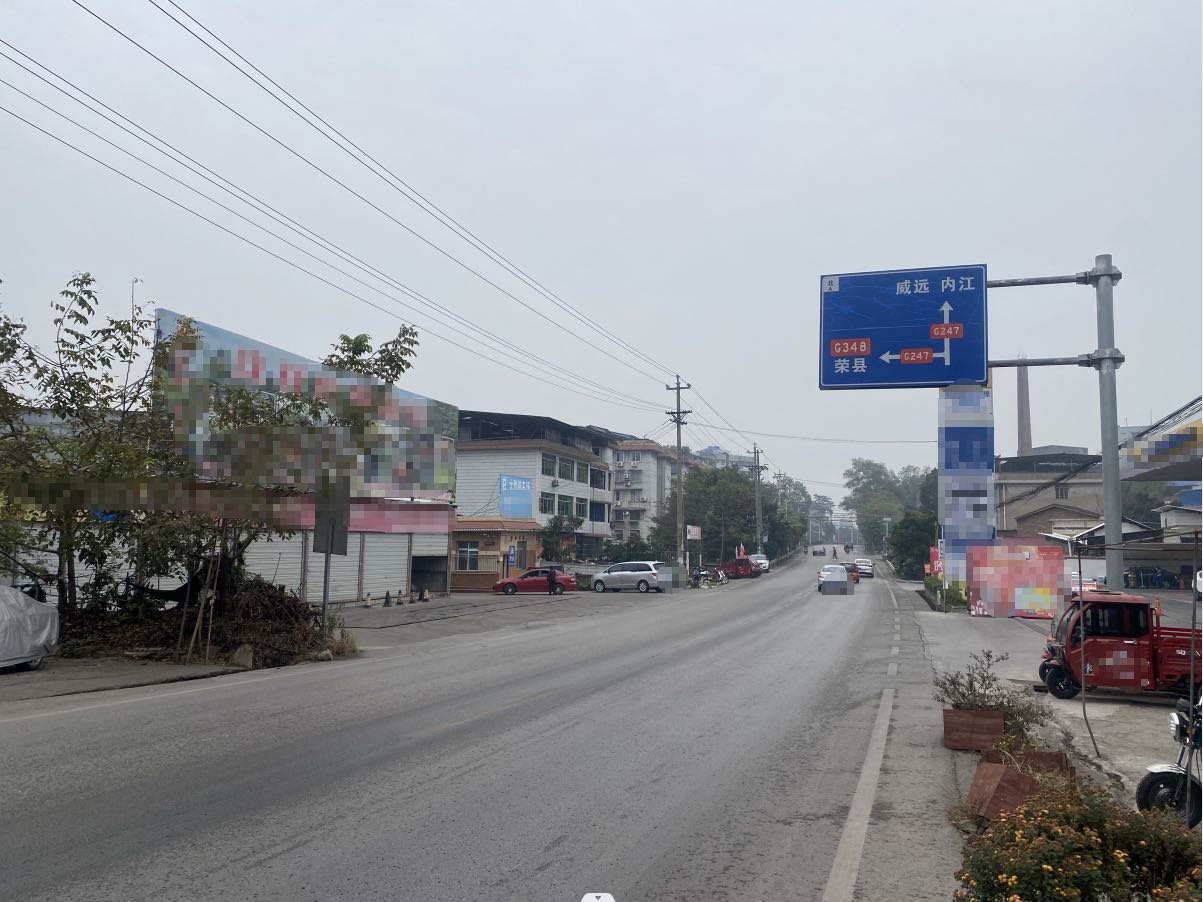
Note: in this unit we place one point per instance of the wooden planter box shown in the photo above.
(972, 731)
(997, 788)
(1042, 762)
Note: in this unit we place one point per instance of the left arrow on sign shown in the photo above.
(887, 357)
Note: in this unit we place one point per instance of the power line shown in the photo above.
(810, 438)
(353, 192)
(378, 169)
(286, 221)
(284, 260)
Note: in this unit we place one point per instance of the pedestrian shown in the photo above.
(551, 582)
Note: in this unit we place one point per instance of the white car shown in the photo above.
(642, 576)
(864, 566)
(28, 629)
(832, 573)
(761, 561)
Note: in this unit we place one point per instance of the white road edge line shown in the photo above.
(841, 881)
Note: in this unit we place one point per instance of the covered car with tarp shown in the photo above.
(28, 629)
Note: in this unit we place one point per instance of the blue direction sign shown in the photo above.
(906, 328)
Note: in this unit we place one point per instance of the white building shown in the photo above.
(518, 466)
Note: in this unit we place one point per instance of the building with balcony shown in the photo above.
(643, 479)
(518, 466)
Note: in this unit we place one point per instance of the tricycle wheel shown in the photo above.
(1043, 671)
(1059, 684)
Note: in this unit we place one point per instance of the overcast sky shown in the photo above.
(680, 172)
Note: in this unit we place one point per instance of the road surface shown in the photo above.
(753, 742)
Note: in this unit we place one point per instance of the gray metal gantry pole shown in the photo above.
(1106, 359)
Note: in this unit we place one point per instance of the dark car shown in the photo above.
(821, 551)
(535, 581)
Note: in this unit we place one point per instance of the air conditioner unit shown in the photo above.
(626, 515)
(619, 464)
(555, 483)
(644, 500)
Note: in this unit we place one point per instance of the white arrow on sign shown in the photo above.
(946, 353)
(887, 357)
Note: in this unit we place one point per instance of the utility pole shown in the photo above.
(677, 415)
(756, 468)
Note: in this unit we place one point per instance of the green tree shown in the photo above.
(929, 493)
(634, 548)
(1141, 500)
(910, 542)
(558, 538)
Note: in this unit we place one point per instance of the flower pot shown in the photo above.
(972, 731)
(997, 788)
(1041, 762)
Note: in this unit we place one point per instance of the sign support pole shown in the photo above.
(326, 574)
(1104, 276)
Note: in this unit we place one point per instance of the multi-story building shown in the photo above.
(715, 456)
(518, 466)
(643, 480)
(1043, 492)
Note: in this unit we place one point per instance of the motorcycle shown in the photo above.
(1176, 786)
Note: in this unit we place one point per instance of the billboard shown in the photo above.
(516, 495)
(405, 450)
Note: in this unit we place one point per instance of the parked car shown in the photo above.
(28, 629)
(820, 551)
(740, 568)
(642, 576)
(853, 572)
(535, 581)
(864, 566)
(832, 573)
(761, 561)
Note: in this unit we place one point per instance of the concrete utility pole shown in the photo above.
(756, 468)
(677, 415)
(1107, 357)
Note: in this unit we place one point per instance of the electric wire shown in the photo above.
(373, 165)
(285, 260)
(301, 157)
(282, 219)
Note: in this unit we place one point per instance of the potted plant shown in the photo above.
(981, 711)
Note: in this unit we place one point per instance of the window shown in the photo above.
(549, 465)
(567, 468)
(598, 478)
(597, 512)
(1062, 491)
(619, 456)
(564, 505)
(582, 473)
(467, 555)
(582, 508)
(617, 536)
(547, 503)
(634, 515)
(633, 477)
(635, 455)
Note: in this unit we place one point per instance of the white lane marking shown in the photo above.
(892, 670)
(893, 600)
(841, 881)
(894, 650)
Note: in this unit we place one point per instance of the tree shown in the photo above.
(1141, 500)
(633, 548)
(722, 502)
(910, 542)
(557, 538)
(929, 493)
(83, 444)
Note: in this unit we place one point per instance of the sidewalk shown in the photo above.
(356, 616)
(66, 676)
(1131, 732)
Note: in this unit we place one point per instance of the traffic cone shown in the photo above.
(388, 599)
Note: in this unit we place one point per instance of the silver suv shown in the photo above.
(643, 576)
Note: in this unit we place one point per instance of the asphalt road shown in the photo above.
(754, 742)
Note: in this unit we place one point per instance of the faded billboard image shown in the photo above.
(387, 442)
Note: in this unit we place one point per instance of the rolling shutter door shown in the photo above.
(344, 574)
(431, 544)
(386, 564)
(278, 562)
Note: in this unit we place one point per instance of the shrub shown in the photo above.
(979, 688)
(1074, 842)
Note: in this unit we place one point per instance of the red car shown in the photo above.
(535, 581)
